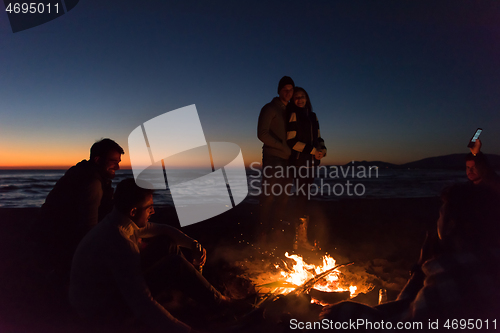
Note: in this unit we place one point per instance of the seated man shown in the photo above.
(458, 270)
(107, 281)
(78, 201)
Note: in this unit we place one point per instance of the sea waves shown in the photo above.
(28, 188)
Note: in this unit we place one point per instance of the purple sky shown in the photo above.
(389, 80)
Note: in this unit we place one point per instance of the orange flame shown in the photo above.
(300, 272)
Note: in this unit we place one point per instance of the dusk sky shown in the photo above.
(394, 81)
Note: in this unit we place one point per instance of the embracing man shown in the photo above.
(271, 131)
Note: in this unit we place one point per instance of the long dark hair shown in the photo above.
(308, 102)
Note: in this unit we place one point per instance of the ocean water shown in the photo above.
(28, 188)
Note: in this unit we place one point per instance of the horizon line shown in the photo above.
(247, 165)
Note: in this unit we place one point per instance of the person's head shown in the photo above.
(469, 218)
(106, 154)
(477, 168)
(301, 98)
(285, 89)
(134, 201)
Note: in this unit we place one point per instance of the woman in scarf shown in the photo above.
(308, 148)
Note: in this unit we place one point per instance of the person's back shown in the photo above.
(68, 209)
(459, 285)
(93, 289)
(458, 270)
(78, 201)
(461, 279)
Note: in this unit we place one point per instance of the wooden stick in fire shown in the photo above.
(270, 297)
(312, 281)
(306, 286)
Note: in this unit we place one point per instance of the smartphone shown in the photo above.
(474, 138)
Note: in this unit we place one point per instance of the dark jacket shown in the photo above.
(78, 201)
(271, 129)
(303, 136)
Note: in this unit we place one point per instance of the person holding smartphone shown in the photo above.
(308, 148)
(478, 169)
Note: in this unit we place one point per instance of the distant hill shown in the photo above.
(453, 161)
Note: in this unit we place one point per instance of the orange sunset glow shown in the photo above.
(64, 158)
(46, 158)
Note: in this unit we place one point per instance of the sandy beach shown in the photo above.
(381, 236)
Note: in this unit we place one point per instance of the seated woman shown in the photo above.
(308, 148)
(458, 270)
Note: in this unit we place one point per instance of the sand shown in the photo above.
(382, 237)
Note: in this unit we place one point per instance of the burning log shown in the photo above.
(329, 297)
(299, 291)
(291, 295)
(318, 277)
(276, 307)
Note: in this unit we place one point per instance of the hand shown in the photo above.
(199, 254)
(476, 148)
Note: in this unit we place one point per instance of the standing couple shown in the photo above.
(290, 132)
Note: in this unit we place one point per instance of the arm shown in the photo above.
(429, 249)
(292, 140)
(177, 236)
(264, 133)
(414, 284)
(320, 145)
(126, 268)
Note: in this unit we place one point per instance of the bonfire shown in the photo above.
(319, 281)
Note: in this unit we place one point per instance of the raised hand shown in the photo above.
(476, 148)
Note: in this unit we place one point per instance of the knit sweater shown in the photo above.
(106, 274)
